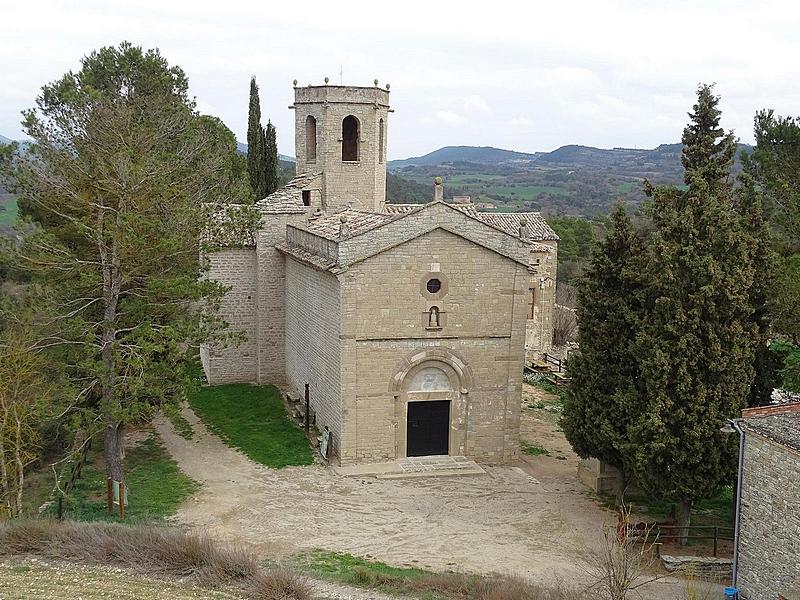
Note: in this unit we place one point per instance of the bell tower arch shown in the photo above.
(349, 129)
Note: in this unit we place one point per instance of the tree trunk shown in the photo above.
(620, 486)
(114, 453)
(112, 283)
(683, 519)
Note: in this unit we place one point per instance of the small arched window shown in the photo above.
(311, 138)
(350, 135)
(381, 137)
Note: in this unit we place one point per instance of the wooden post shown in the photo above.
(110, 496)
(121, 500)
(308, 411)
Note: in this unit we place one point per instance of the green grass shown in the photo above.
(533, 450)
(350, 569)
(254, 420)
(8, 210)
(156, 487)
(182, 427)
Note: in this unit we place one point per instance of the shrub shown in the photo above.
(149, 549)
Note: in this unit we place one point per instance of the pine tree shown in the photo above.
(604, 374)
(122, 179)
(695, 346)
(271, 159)
(256, 147)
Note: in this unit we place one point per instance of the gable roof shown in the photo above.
(536, 228)
(369, 234)
(289, 198)
(354, 221)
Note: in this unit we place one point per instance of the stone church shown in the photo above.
(409, 322)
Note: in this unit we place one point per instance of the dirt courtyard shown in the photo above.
(531, 519)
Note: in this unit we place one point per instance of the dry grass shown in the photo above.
(155, 551)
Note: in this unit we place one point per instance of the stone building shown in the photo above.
(409, 322)
(769, 546)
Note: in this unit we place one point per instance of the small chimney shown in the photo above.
(438, 190)
(344, 228)
(523, 223)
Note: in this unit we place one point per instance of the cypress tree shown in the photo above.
(602, 398)
(256, 149)
(695, 346)
(749, 202)
(272, 180)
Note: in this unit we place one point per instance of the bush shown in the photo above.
(149, 549)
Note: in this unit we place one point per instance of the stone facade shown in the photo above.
(337, 292)
(320, 113)
(769, 549)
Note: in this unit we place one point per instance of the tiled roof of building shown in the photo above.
(289, 198)
(536, 228)
(780, 423)
(469, 209)
(355, 222)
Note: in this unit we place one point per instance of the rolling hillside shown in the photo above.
(571, 180)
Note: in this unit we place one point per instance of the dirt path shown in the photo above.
(532, 520)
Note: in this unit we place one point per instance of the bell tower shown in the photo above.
(340, 132)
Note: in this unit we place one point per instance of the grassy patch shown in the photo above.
(359, 572)
(182, 427)
(424, 584)
(532, 449)
(254, 420)
(156, 487)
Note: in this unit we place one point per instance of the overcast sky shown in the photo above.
(524, 75)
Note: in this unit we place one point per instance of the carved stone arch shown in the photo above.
(418, 359)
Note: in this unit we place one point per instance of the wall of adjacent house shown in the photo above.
(386, 325)
(234, 267)
(541, 302)
(312, 342)
(769, 560)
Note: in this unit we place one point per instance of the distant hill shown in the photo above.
(485, 155)
(5, 140)
(572, 180)
(242, 149)
(664, 156)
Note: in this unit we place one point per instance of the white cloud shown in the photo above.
(602, 72)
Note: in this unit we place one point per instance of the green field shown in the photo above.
(8, 209)
(522, 191)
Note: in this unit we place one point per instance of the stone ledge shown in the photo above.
(703, 566)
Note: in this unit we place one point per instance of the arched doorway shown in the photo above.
(428, 400)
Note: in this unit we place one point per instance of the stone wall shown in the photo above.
(271, 289)
(769, 559)
(363, 182)
(234, 267)
(312, 342)
(480, 344)
(541, 300)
